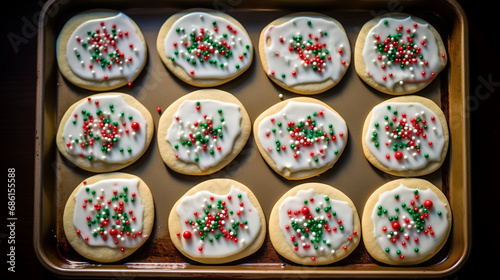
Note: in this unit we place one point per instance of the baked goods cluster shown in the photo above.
(111, 214)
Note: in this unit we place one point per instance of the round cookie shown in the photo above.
(217, 221)
(406, 222)
(203, 131)
(105, 132)
(306, 53)
(204, 47)
(109, 216)
(101, 50)
(300, 137)
(399, 54)
(314, 224)
(406, 136)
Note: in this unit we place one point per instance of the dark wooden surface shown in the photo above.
(17, 134)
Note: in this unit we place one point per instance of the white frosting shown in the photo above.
(435, 228)
(421, 145)
(216, 51)
(114, 110)
(237, 211)
(125, 51)
(306, 152)
(388, 73)
(302, 237)
(195, 133)
(288, 66)
(96, 205)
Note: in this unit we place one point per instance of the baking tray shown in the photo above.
(55, 177)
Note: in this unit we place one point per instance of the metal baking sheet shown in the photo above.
(55, 177)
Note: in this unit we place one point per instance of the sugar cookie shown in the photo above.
(217, 221)
(109, 216)
(406, 136)
(399, 54)
(101, 50)
(306, 53)
(203, 131)
(204, 47)
(406, 222)
(314, 224)
(300, 137)
(105, 132)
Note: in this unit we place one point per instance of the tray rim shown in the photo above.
(464, 181)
